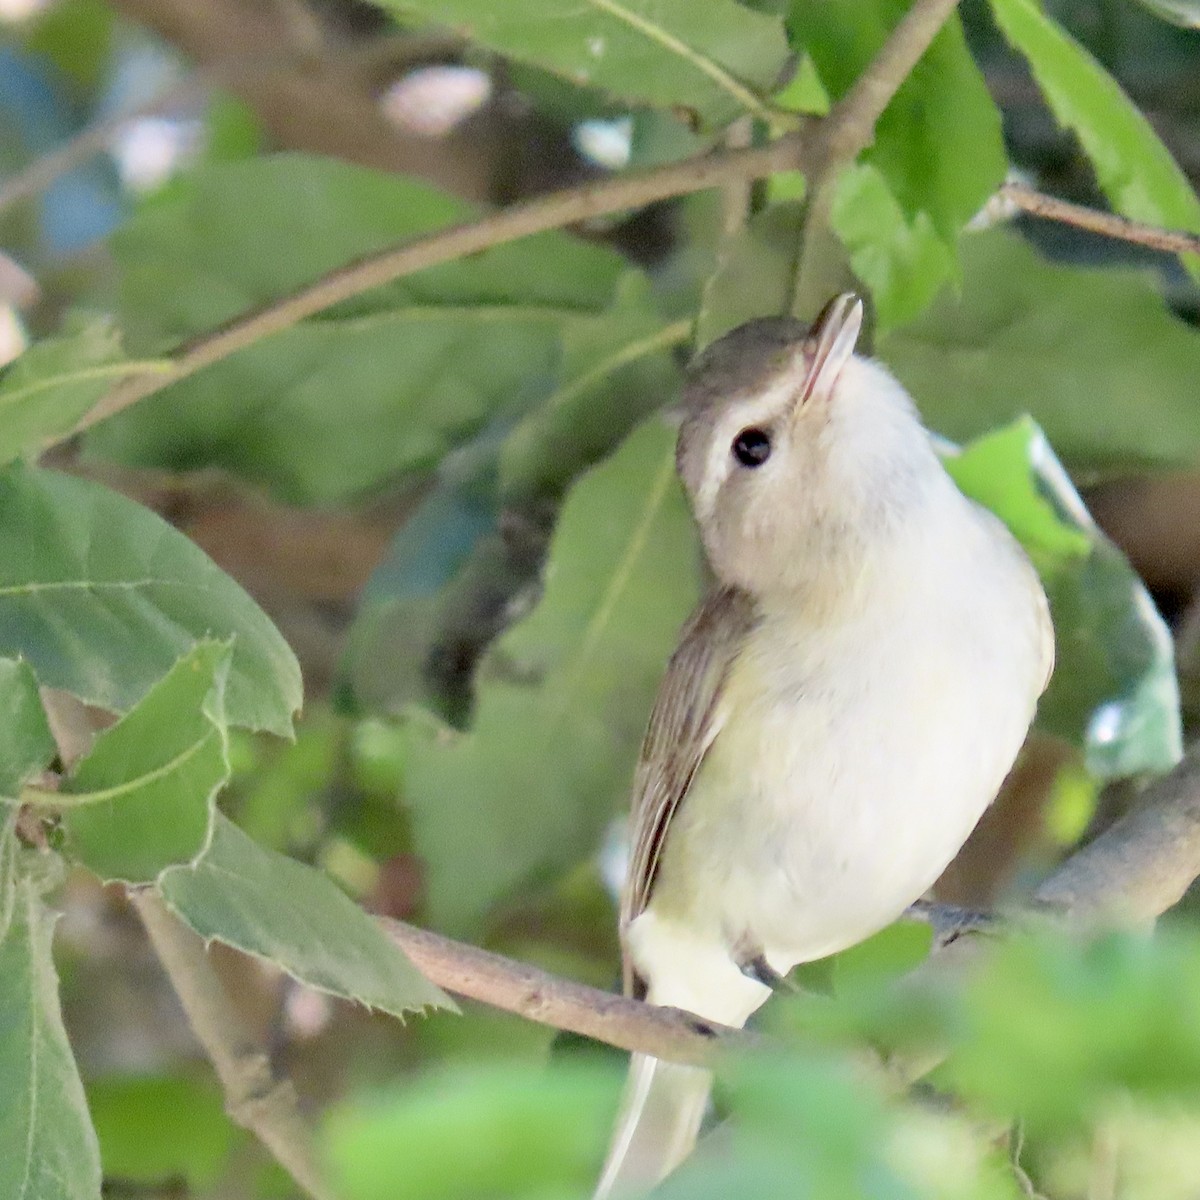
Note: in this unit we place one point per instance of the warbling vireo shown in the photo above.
(842, 706)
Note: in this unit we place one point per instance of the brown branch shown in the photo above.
(1142, 864)
(841, 134)
(567, 207)
(1051, 208)
(537, 995)
(254, 1098)
(846, 132)
(852, 120)
(1137, 869)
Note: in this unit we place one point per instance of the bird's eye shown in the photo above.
(752, 447)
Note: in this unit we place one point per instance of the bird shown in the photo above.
(842, 705)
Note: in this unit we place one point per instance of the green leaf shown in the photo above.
(382, 385)
(143, 797)
(939, 142)
(48, 1148)
(1133, 167)
(901, 259)
(504, 1130)
(158, 1127)
(756, 273)
(1066, 344)
(614, 372)
(476, 540)
(563, 696)
(26, 743)
(1114, 692)
(102, 597)
(292, 915)
(47, 389)
(716, 59)
(1059, 1028)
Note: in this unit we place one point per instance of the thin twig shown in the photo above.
(852, 120)
(254, 1098)
(566, 207)
(1051, 208)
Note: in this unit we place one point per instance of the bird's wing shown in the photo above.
(683, 724)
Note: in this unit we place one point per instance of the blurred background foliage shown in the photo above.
(454, 497)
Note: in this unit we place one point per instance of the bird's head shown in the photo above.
(796, 452)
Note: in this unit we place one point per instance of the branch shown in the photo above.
(841, 135)
(1142, 864)
(852, 120)
(1137, 869)
(846, 132)
(1050, 208)
(254, 1098)
(537, 995)
(567, 207)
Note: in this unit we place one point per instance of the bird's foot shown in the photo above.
(761, 971)
(950, 921)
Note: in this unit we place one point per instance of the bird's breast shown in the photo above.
(852, 761)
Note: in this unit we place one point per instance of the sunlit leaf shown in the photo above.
(101, 597)
(160, 1127)
(936, 156)
(143, 797)
(1135, 169)
(902, 259)
(1114, 691)
(1060, 1028)
(292, 915)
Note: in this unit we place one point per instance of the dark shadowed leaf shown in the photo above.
(292, 915)
(102, 597)
(143, 797)
(714, 59)
(563, 695)
(756, 275)
(613, 374)
(48, 1148)
(475, 543)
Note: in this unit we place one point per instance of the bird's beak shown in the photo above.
(830, 345)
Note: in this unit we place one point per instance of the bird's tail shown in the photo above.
(659, 1119)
